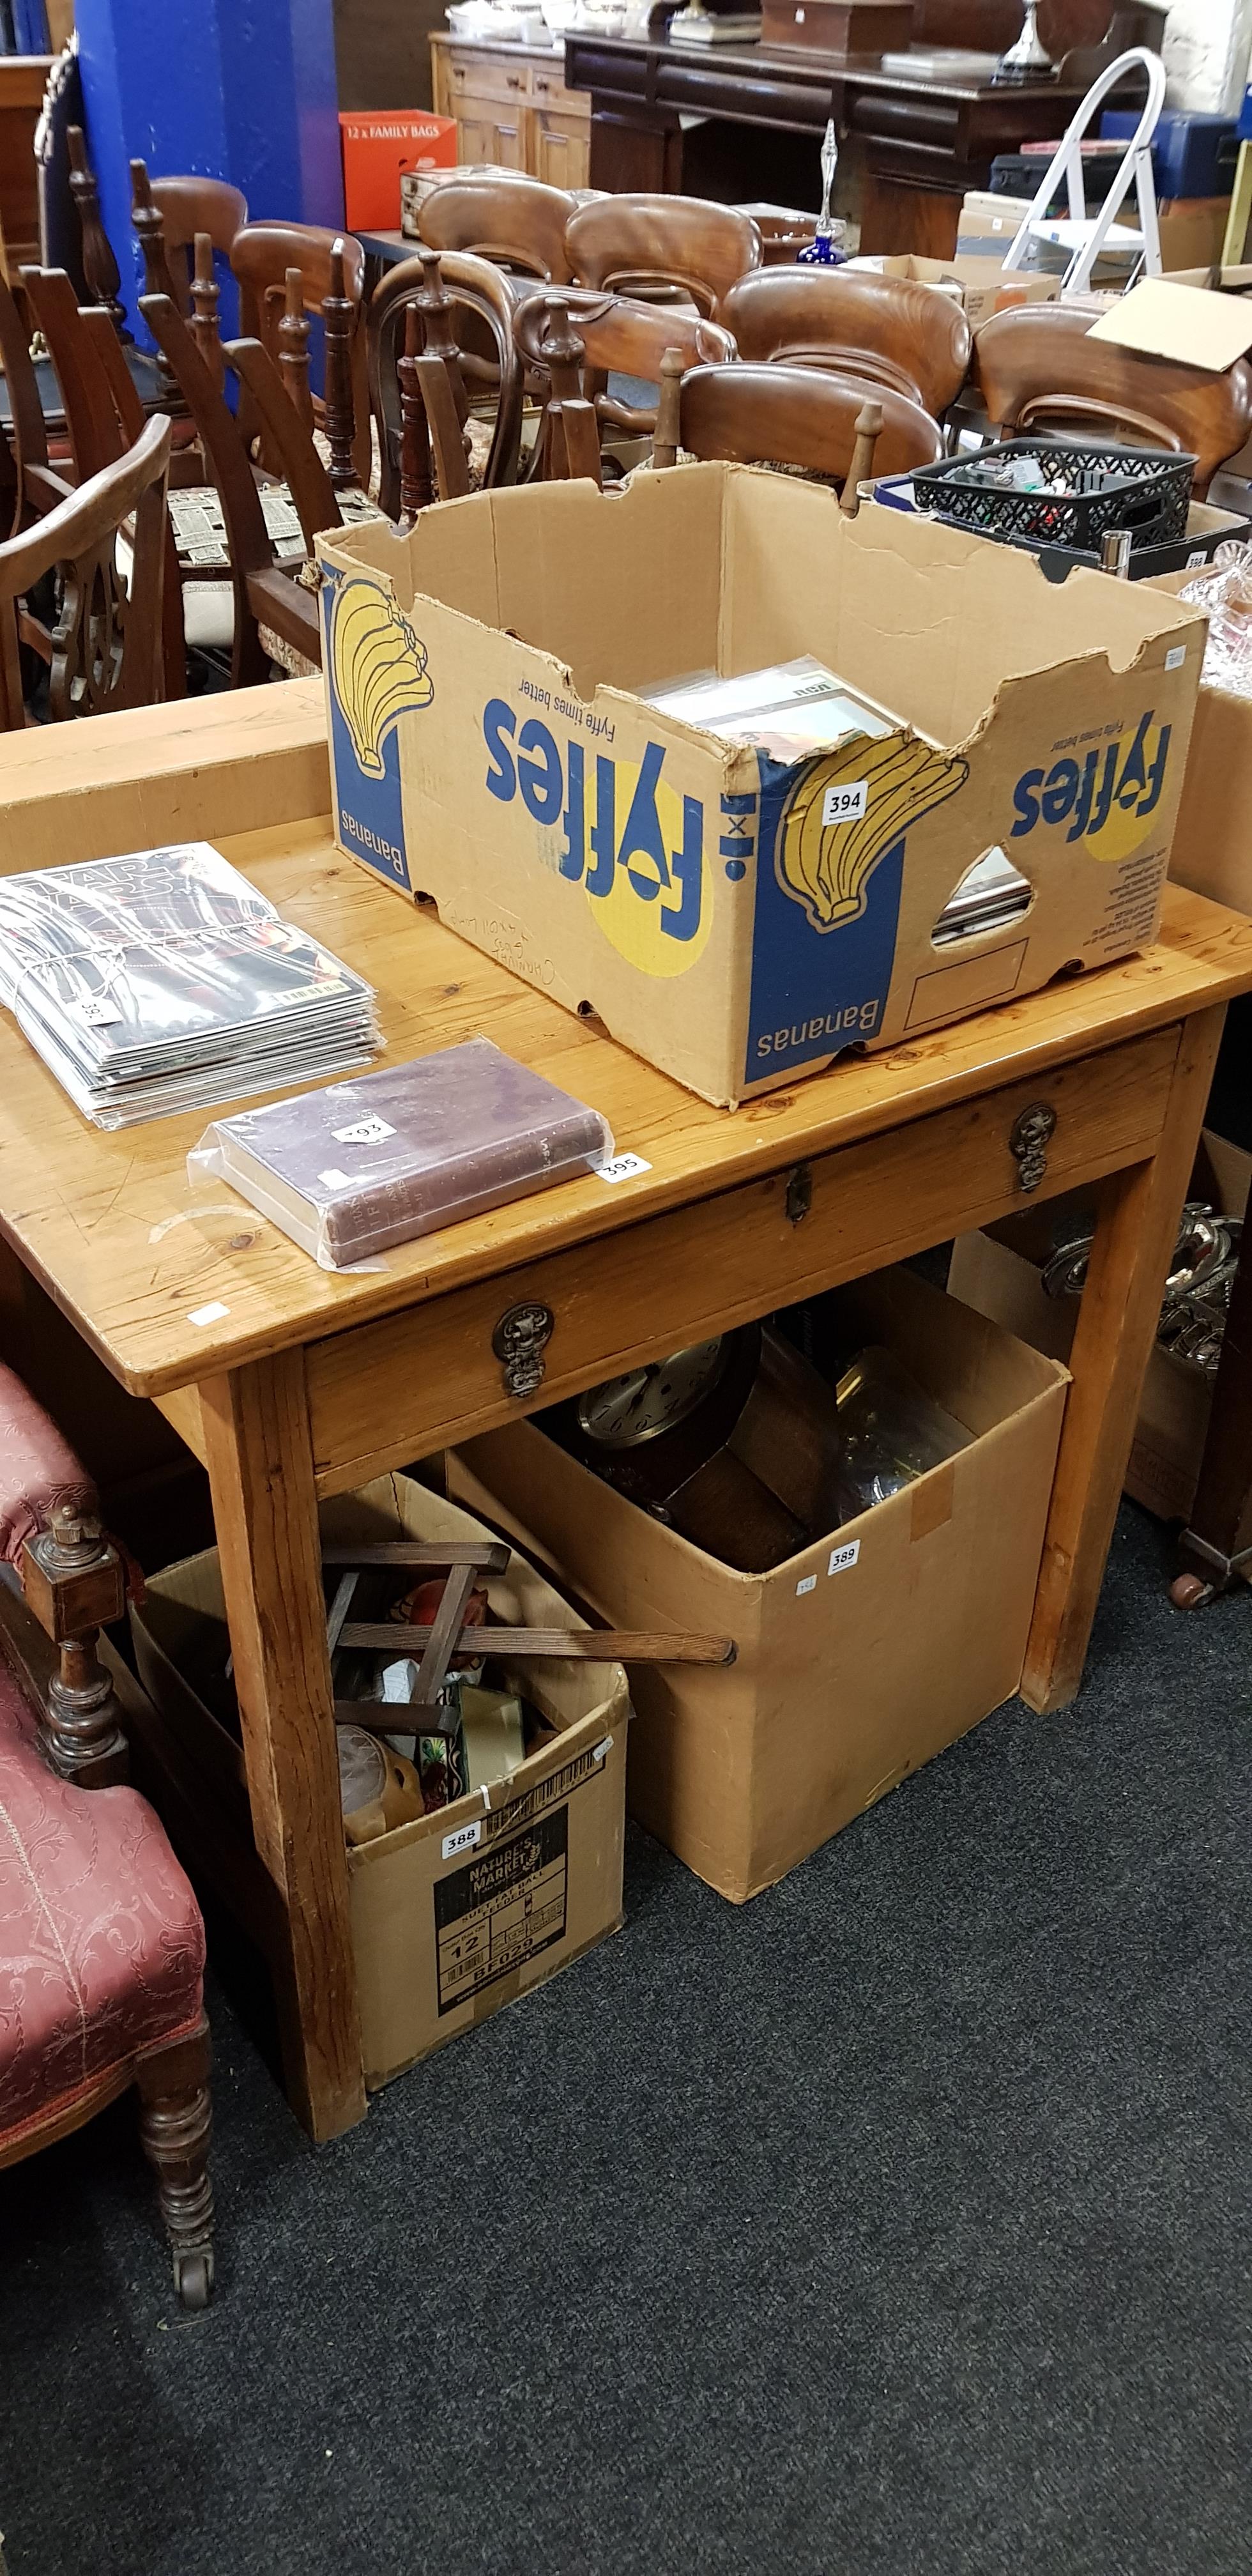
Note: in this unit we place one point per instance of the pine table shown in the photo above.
(290, 1383)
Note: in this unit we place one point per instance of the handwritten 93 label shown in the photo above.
(845, 803)
(367, 1131)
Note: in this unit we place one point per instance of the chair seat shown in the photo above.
(37, 1467)
(101, 1941)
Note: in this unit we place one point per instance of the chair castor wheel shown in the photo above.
(193, 2279)
(1191, 1592)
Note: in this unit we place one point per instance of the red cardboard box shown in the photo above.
(378, 143)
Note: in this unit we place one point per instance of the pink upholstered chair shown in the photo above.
(101, 1941)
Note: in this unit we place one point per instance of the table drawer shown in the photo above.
(549, 89)
(432, 1375)
(489, 76)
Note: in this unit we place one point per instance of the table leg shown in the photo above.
(1117, 1322)
(260, 1461)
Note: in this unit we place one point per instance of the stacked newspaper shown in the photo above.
(164, 981)
(789, 709)
(797, 711)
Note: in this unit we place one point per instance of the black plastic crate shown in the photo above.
(1137, 488)
(1021, 174)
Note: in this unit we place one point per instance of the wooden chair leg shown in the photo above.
(668, 435)
(868, 432)
(175, 2125)
(575, 422)
(338, 323)
(75, 1583)
(417, 489)
(100, 268)
(447, 442)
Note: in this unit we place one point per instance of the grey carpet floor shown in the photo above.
(898, 2222)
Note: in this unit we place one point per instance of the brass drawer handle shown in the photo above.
(1029, 1138)
(519, 1341)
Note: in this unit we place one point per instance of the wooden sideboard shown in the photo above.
(512, 108)
(23, 80)
(744, 122)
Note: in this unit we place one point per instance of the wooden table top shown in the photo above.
(135, 1253)
(809, 67)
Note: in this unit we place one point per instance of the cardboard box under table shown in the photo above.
(859, 1658)
(473, 1905)
(737, 919)
(1001, 1274)
(1212, 853)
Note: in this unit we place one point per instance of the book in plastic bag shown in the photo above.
(350, 1171)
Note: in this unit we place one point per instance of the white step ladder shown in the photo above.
(1084, 235)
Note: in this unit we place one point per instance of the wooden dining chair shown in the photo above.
(272, 604)
(331, 268)
(101, 1939)
(31, 483)
(517, 222)
(102, 277)
(167, 214)
(444, 289)
(92, 430)
(573, 339)
(803, 418)
(104, 419)
(889, 330)
(1037, 368)
(107, 639)
(629, 242)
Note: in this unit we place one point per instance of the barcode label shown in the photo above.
(532, 1803)
(845, 804)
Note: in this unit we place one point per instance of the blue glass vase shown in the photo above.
(822, 252)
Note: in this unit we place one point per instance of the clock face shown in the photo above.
(647, 1401)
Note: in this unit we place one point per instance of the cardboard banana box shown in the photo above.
(738, 919)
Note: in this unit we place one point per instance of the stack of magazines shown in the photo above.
(164, 981)
(789, 709)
